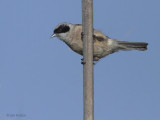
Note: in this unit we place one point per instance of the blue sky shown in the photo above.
(41, 78)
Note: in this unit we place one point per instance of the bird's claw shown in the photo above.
(82, 34)
(82, 61)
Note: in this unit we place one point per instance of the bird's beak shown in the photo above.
(53, 35)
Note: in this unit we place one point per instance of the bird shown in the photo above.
(103, 45)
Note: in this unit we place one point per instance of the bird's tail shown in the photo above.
(123, 45)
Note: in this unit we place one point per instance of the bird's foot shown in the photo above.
(82, 35)
(82, 61)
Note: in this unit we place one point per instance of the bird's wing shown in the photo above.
(99, 36)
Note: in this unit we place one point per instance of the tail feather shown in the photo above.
(123, 45)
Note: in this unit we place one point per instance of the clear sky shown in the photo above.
(41, 78)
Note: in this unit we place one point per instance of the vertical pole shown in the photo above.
(87, 29)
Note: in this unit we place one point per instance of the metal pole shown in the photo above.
(87, 29)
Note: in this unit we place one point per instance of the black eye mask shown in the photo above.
(62, 29)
